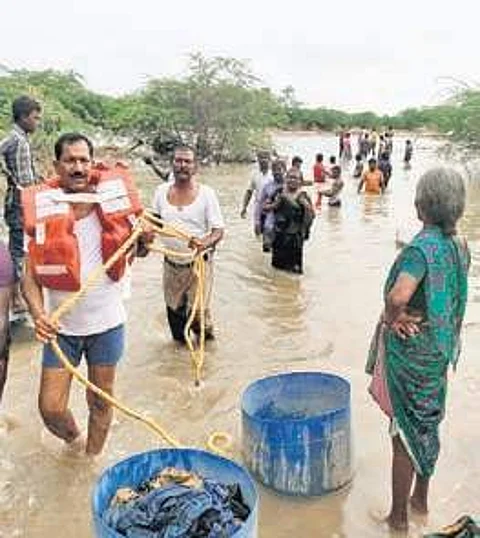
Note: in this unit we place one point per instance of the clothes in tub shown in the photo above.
(180, 506)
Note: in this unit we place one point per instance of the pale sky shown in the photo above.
(350, 54)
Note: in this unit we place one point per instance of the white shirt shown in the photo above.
(258, 181)
(197, 219)
(101, 308)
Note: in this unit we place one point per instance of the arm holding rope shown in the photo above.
(45, 329)
(208, 242)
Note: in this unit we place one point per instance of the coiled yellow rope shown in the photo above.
(147, 222)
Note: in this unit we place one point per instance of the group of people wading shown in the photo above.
(283, 212)
(77, 219)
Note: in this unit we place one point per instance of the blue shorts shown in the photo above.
(103, 349)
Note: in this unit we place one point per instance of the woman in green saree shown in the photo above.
(418, 337)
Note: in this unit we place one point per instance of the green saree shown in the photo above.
(416, 368)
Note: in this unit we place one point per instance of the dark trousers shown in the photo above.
(14, 221)
(177, 320)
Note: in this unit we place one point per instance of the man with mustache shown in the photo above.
(74, 223)
(194, 208)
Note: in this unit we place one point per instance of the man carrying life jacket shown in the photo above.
(73, 223)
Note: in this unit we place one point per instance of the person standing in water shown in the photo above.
(372, 179)
(385, 166)
(336, 187)
(319, 178)
(193, 208)
(365, 146)
(254, 189)
(358, 169)
(17, 154)
(293, 216)
(347, 147)
(265, 218)
(418, 339)
(407, 157)
(88, 216)
(374, 142)
(297, 163)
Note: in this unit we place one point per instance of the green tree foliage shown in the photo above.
(219, 106)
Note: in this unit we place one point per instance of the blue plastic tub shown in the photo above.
(296, 435)
(136, 469)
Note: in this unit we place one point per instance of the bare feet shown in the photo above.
(77, 446)
(397, 526)
(419, 506)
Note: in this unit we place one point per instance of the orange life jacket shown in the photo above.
(49, 221)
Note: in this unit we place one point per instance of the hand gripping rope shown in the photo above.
(148, 222)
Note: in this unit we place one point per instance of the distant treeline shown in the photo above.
(219, 106)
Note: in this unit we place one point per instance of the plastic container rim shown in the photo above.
(294, 374)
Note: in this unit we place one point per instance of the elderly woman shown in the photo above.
(418, 338)
(293, 216)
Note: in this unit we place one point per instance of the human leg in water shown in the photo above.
(402, 478)
(177, 320)
(100, 412)
(419, 499)
(53, 404)
(5, 297)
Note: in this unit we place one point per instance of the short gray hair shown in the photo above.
(440, 198)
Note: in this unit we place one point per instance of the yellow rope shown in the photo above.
(146, 221)
(198, 306)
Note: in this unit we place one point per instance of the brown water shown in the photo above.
(267, 322)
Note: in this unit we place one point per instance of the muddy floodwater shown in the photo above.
(267, 322)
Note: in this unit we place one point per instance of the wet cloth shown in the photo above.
(180, 286)
(293, 219)
(185, 506)
(256, 184)
(416, 368)
(265, 219)
(465, 527)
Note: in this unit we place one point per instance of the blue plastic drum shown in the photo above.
(138, 468)
(296, 434)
